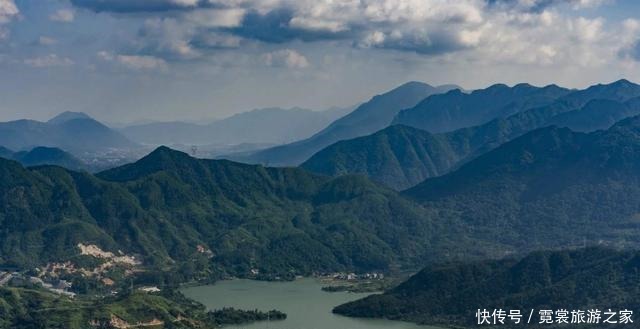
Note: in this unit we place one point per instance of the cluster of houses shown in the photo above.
(354, 276)
(60, 287)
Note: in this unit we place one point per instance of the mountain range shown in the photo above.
(564, 174)
(551, 187)
(456, 109)
(401, 157)
(264, 126)
(280, 221)
(524, 195)
(74, 132)
(369, 117)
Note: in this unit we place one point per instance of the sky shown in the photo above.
(196, 60)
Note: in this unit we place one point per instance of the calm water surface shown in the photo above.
(307, 306)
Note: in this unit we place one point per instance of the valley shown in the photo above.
(369, 216)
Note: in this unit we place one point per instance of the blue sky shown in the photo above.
(128, 60)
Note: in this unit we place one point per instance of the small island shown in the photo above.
(231, 315)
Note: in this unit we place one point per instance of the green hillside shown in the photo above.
(401, 157)
(551, 187)
(168, 205)
(451, 294)
(398, 156)
(30, 308)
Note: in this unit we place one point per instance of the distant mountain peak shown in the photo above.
(68, 116)
(414, 84)
(623, 83)
(367, 118)
(162, 158)
(497, 86)
(164, 155)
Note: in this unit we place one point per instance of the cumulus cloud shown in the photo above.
(286, 58)
(520, 31)
(50, 60)
(135, 62)
(8, 10)
(63, 16)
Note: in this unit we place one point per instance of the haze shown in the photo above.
(132, 60)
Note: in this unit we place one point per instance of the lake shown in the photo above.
(307, 306)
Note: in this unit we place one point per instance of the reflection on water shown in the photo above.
(307, 306)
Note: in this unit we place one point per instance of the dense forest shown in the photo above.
(403, 155)
(219, 216)
(32, 308)
(451, 294)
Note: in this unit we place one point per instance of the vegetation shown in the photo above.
(233, 316)
(206, 219)
(398, 156)
(362, 286)
(450, 294)
(549, 188)
(192, 219)
(46, 156)
(401, 157)
(368, 118)
(202, 220)
(22, 308)
(456, 109)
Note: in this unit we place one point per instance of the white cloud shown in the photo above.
(63, 16)
(46, 41)
(500, 32)
(578, 4)
(135, 62)
(185, 3)
(8, 10)
(286, 58)
(50, 60)
(142, 62)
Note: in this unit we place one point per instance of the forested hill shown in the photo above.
(168, 207)
(550, 187)
(401, 157)
(398, 156)
(455, 109)
(584, 279)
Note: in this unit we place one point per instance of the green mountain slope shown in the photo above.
(597, 114)
(368, 118)
(455, 109)
(280, 221)
(400, 157)
(451, 294)
(550, 187)
(27, 308)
